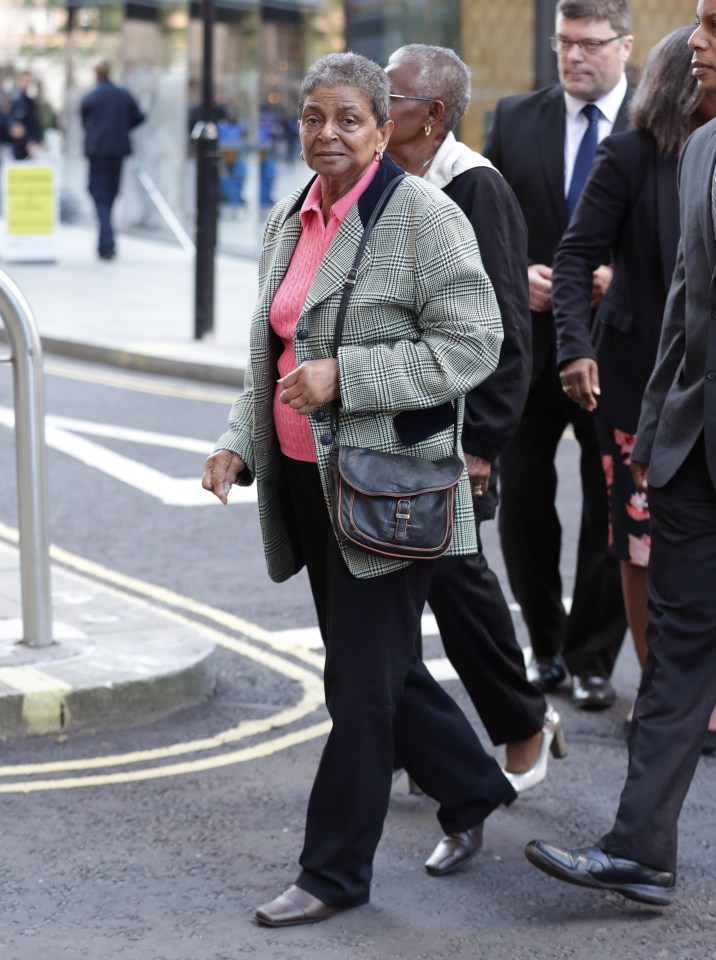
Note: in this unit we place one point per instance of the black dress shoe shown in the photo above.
(592, 867)
(454, 850)
(592, 693)
(546, 674)
(292, 907)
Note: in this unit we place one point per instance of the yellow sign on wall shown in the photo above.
(29, 205)
(30, 201)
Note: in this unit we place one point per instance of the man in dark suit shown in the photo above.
(108, 112)
(676, 449)
(543, 144)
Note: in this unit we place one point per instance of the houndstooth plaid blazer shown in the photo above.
(423, 328)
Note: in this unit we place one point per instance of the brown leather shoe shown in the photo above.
(293, 906)
(454, 850)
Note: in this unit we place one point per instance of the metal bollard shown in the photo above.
(26, 356)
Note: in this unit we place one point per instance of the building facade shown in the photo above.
(261, 50)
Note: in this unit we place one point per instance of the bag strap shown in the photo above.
(352, 275)
(348, 285)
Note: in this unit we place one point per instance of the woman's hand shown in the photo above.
(478, 470)
(601, 278)
(311, 385)
(580, 382)
(220, 471)
(640, 473)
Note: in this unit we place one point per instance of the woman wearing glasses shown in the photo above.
(430, 92)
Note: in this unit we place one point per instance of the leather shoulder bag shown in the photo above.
(389, 503)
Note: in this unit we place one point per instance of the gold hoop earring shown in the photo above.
(428, 130)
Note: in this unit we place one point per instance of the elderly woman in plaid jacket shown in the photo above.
(422, 329)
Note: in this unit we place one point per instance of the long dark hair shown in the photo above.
(667, 93)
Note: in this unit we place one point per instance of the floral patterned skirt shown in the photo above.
(629, 537)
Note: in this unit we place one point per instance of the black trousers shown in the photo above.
(589, 638)
(104, 179)
(381, 700)
(479, 639)
(678, 687)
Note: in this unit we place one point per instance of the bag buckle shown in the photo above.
(402, 519)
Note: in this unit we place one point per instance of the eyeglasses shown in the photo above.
(563, 45)
(399, 96)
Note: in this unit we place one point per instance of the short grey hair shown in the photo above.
(441, 74)
(615, 11)
(350, 70)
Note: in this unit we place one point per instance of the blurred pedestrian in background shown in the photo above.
(108, 112)
(628, 212)
(421, 330)
(430, 92)
(23, 119)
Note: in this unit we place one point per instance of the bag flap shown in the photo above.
(390, 474)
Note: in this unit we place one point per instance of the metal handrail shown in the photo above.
(26, 357)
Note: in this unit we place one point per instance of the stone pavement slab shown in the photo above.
(114, 660)
(138, 311)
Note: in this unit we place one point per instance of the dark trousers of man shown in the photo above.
(678, 687)
(104, 176)
(381, 699)
(531, 535)
(479, 639)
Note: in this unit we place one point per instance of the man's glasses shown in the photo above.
(563, 45)
(399, 96)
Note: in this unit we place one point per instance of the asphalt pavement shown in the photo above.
(89, 878)
(111, 661)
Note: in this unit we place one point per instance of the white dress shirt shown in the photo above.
(577, 123)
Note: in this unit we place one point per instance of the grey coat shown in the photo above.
(680, 398)
(423, 327)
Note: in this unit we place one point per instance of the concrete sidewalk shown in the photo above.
(137, 311)
(116, 660)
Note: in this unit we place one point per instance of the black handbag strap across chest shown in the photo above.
(352, 275)
(350, 282)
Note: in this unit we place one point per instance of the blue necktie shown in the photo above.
(585, 156)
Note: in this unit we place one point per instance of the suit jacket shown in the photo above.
(680, 398)
(493, 409)
(108, 114)
(629, 212)
(422, 329)
(526, 144)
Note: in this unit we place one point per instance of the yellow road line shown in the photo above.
(265, 749)
(26, 679)
(43, 701)
(310, 682)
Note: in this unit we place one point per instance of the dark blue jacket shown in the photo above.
(109, 112)
(23, 109)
